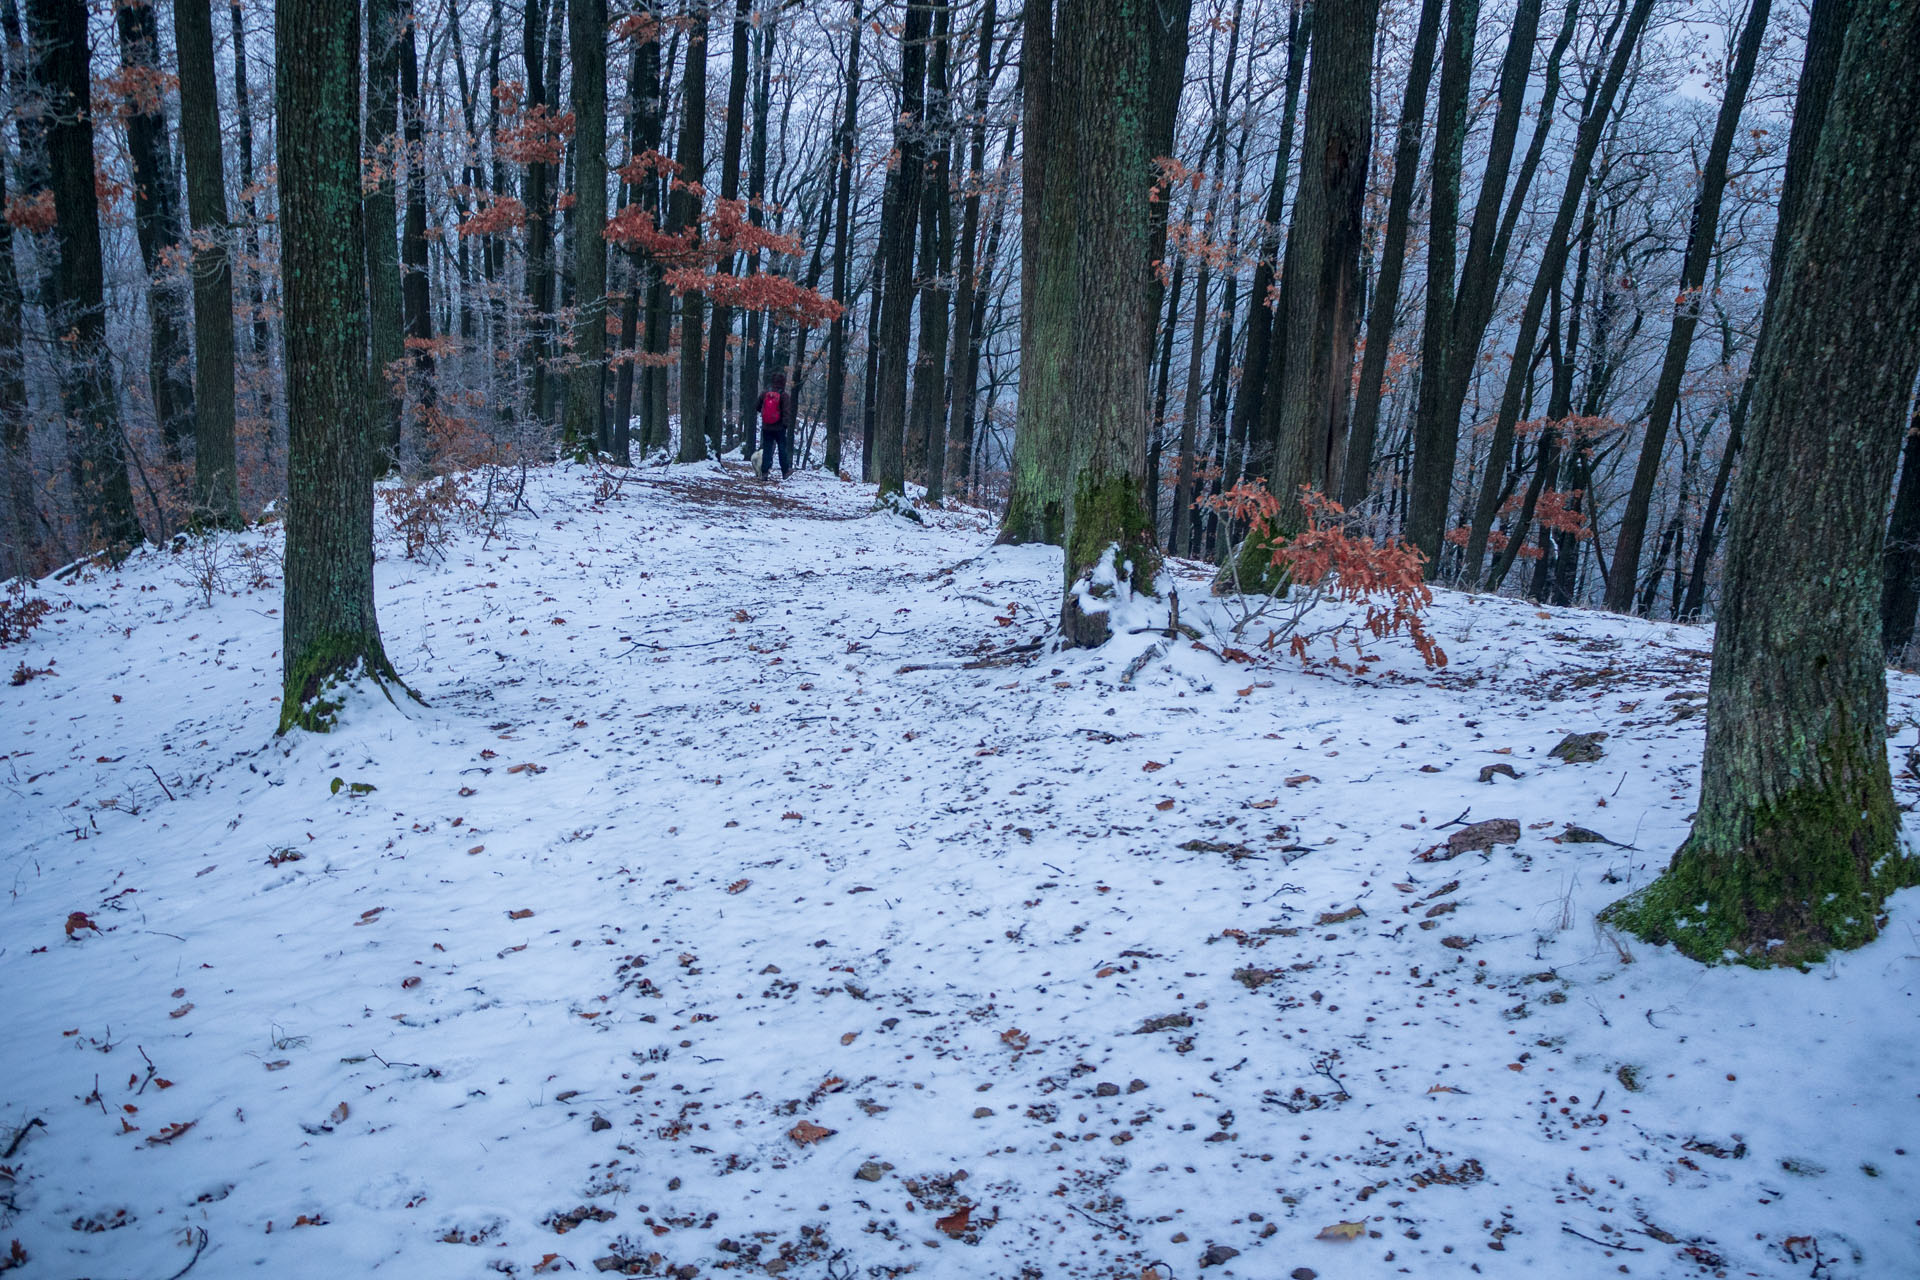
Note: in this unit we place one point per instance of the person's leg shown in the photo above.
(786, 453)
(766, 454)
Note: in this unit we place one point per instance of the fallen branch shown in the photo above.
(199, 1248)
(1604, 1244)
(156, 777)
(21, 1136)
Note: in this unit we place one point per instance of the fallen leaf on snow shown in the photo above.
(171, 1132)
(524, 913)
(1342, 1231)
(806, 1133)
(1164, 805)
(956, 1223)
(738, 886)
(1014, 1038)
(1152, 766)
(77, 920)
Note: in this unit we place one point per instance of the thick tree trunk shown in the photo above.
(1702, 239)
(1104, 62)
(1553, 262)
(901, 203)
(1436, 433)
(842, 214)
(538, 200)
(1036, 507)
(16, 424)
(684, 215)
(156, 210)
(96, 448)
(259, 329)
(1393, 253)
(757, 320)
(586, 424)
(1795, 843)
(330, 636)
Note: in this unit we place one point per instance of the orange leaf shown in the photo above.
(1164, 805)
(1152, 766)
(1342, 1231)
(956, 1223)
(182, 1011)
(806, 1133)
(77, 920)
(523, 914)
(171, 1132)
(1014, 1038)
(738, 886)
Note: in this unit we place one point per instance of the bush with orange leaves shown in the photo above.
(1324, 562)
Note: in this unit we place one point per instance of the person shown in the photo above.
(776, 427)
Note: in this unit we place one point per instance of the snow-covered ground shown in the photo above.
(752, 894)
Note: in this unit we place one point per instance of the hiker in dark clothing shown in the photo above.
(776, 427)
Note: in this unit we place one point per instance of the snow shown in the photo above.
(814, 826)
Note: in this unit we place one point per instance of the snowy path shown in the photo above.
(710, 838)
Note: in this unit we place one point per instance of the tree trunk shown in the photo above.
(684, 215)
(1702, 239)
(96, 448)
(1553, 262)
(586, 425)
(1795, 843)
(722, 327)
(415, 294)
(1900, 576)
(156, 209)
(757, 320)
(1321, 286)
(901, 203)
(16, 422)
(1393, 253)
(926, 451)
(1826, 36)
(1435, 433)
(843, 211)
(960, 369)
(387, 332)
(330, 636)
(538, 202)
(259, 330)
(1103, 62)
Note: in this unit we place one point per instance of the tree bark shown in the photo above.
(960, 368)
(96, 448)
(926, 448)
(757, 320)
(1795, 843)
(901, 203)
(731, 145)
(684, 215)
(415, 294)
(1702, 239)
(330, 635)
(843, 211)
(1393, 253)
(16, 422)
(156, 210)
(586, 419)
(386, 329)
(1105, 65)
(1900, 575)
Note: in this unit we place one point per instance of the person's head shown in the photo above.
(779, 381)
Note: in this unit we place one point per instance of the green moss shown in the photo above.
(1107, 511)
(308, 699)
(1806, 875)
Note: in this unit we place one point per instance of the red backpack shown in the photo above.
(770, 409)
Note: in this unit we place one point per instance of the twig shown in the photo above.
(1114, 1227)
(152, 1071)
(1462, 818)
(199, 1248)
(1604, 1244)
(156, 777)
(21, 1136)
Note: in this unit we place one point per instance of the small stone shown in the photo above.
(981, 1113)
(673, 1184)
(871, 1171)
(1579, 748)
(1165, 1022)
(1106, 1089)
(1303, 1273)
(1179, 1237)
(1217, 1254)
(601, 1122)
(1136, 1086)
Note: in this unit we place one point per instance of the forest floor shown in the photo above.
(757, 892)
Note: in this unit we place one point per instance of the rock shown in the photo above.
(1303, 1273)
(601, 1122)
(673, 1184)
(1487, 771)
(981, 1113)
(1217, 1254)
(1579, 748)
(872, 1171)
(1106, 1089)
(1136, 1086)
(1169, 1021)
(1481, 836)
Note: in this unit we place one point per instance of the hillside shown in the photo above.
(755, 892)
